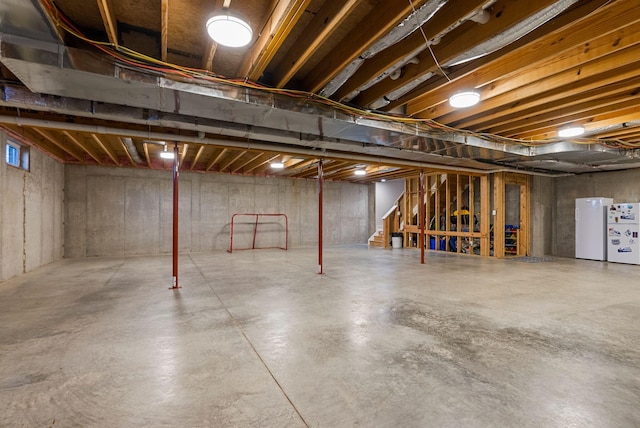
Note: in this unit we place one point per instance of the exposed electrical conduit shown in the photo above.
(103, 130)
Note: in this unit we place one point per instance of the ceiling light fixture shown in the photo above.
(464, 99)
(229, 30)
(277, 165)
(165, 154)
(360, 172)
(571, 131)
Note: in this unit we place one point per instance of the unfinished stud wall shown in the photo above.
(123, 211)
(31, 213)
(619, 185)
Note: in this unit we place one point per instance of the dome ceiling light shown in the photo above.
(571, 131)
(165, 154)
(228, 30)
(464, 99)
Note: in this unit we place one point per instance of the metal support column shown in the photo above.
(176, 166)
(422, 215)
(320, 184)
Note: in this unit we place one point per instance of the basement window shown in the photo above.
(17, 154)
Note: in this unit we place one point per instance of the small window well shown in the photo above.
(16, 154)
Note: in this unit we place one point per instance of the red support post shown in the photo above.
(320, 184)
(176, 167)
(422, 215)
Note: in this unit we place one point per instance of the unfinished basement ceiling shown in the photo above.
(538, 66)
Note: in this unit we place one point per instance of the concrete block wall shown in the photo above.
(31, 213)
(122, 211)
(620, 185)
(541, 202)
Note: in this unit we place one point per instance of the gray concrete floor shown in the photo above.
(257, 338)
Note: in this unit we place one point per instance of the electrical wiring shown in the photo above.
(140, 61)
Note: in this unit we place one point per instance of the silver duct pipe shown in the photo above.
(480, 16)
(495, 43)
(402, 30)
(24, 18)
(132, 149)
(512, 34)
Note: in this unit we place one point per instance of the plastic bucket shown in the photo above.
(396, 242)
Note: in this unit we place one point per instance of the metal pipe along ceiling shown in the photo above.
(102, 130)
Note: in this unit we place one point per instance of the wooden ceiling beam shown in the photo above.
(568, 83)
(499, 64)
(624, 132)
(145, 147)
(601, 118)
(299, 167)
(505, 14)
(109, 20)
(444, 18)
(383, 18)
(185, 150)
(347, 173)
(65, 147)
(103, 146)
(28, 135)
(328, 166)
(215, 159)
(336, 167)
(209, 54)
(273, 33)
(242, 165)
(578, 103)
(164, 29)
(265, 166)
(231, 160)
(544, 58)
(86, 148)
(126, 150)
(316, 33)
(197, 157)
(264, 159)
(211, 47)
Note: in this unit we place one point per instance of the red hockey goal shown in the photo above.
(259, 231)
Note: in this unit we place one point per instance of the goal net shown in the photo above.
(253, 231)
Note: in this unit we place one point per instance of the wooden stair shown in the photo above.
(377, 239)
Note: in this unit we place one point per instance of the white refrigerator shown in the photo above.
(591, 223)
(622, 233)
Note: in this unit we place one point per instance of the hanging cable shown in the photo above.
(145, 62)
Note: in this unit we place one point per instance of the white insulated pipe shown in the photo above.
(102, 130)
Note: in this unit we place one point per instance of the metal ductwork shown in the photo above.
(402, 30)
(512, 34)
(80, 83)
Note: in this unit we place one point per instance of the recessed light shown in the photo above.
(229, 31)
(165, 154)
(464, 99)
(571, 131)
